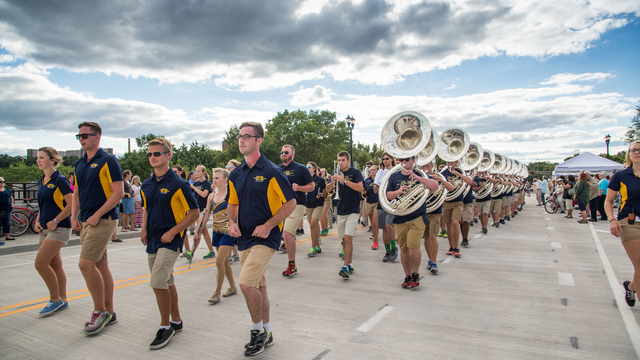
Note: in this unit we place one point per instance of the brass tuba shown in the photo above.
(485, 164)
(454, 145)
(404, 135)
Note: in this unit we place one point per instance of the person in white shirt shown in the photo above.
(538, 185)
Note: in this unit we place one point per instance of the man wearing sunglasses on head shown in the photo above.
(302, 183)
(260, 198)
(98, 190)
(385, 220)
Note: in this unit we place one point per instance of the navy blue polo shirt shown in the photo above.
(167, 202)
(312, 200)
(372, 197)
(93, 183)
(450, 177)
(628, 185)
(397, 180)
(297, 173)
(349, 202)
(51, 199)
(259, 192)
(480, 181)
(468, 199)
(202, 186)
(5, 200)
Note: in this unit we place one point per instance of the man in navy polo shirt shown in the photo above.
(98, 190)
(260, 198)
(350, 186)
(452, 209)
(302, 183)
(170, 208)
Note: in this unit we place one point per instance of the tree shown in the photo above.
(144, 139)
(619, 157)
(69, 160)
(633, 132)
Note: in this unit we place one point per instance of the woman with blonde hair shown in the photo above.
(54, 225)
(221, 240)
(139, 211)
(626, 225)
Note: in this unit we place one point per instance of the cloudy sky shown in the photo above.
(530, 79)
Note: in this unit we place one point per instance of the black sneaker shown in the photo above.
(386, 257)
(508, 217)
(502, 221)
(393, 255)
(629, 296)
(344, 272)
(465, 242)
(471, 223)
(162, 338)
(177, 327)
(283, 249)
(484, 230)
(267, 343)
(301, 231)
(256, 344)
(297, 231)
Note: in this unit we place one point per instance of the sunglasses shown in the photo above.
(386, 159)
(1, 181)
(229, 166)
(310, 167)
(156, 153)
(246, 136)
(284, 152)
(404, 160)
(84, 136)
(634, 151)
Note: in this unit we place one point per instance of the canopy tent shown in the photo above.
(587, 162)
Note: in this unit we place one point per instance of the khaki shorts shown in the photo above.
(509, 200)
(629, 232)
(484, 207)
(291, 223)
(410, 233)
(94, 239)
(327, 200)
(314, 213)
(504, 201)
(254, 262)
(59, 234)
(384, 219)
(433, 229)
(496, 206)
(371, 207)
(452, 211)
(467, 213)
(347, 225)
(161, 268)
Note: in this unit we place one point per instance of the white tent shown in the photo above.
(588, 162)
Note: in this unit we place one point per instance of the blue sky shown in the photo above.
(531, 81)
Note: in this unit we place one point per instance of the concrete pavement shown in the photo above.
(536, 288)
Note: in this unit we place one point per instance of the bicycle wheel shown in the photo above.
(32, 222)
(551, 206)
(19, 224)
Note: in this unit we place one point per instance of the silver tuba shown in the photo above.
(404, 135)
(454, 145)
(485, 164)
(497, 169)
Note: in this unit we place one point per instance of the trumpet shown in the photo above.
(336, 170)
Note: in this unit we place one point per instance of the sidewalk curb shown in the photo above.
(73, 241)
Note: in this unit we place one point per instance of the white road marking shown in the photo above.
(547, 219)
(550, 228)
(566, 279)
(628, 318)
(555, 244)
(604, 231)
(477, 236)
(68, 257)
(375, 319)
(447, 260)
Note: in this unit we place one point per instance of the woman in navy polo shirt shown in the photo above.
(627, 224)
(54, 225)
(315, 207)
(220, 238)
(6, 201)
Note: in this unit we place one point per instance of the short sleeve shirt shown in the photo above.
(480, 181)
(167, 202)
(259, 192)
(349, 202)
(5, 200)
(397, 180)
(202, 186)
(297, 173)
(312, 200)
(450, 177)
(603, 185)
(468, 199)
(372, 197)
(93, 183)
(51, 199)
(628, 185)
(543, 186)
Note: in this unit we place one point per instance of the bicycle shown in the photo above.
(21, 216)
(18, 224)
(552, 205)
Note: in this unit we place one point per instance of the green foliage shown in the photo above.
(144, 139)
(21, 172)
(633, 132)
(69, 160)
(619, 157)
(540, 168)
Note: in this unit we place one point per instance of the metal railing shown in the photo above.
(25, 192)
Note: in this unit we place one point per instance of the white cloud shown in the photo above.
(310, 96)
(453, 86)
(571, 78)
(5, 58)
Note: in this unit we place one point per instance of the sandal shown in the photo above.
(583, 222)
(134, 230)
(124, 230)
(569, 217)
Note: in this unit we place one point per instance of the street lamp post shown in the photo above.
(350, 124)
(607, 139)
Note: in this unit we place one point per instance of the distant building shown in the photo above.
(32, 153)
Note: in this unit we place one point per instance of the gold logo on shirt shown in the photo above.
(51, 186)
(288, 172)
(260, 178)
(94, 165)
(164, 190)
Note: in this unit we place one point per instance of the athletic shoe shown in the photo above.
(1, 242)
(475, 220)
(269, 341)
(386, 257)
(441, 234)
(351, 270)
(444, 234)
(324, 232)
(471, 223)
(98, 321)
(407, 282)
(344, 272)
(434, 269)
(297, 231)
(291, 270)
(374, 246)
(283, 249)
(450, 252)
(465, 242)
(230, 259)
(341, 254)
(429, 265)
(415, 281)
(319, 250)
(629, 296)
(369, 229)
(312, 252)
(177, 327)
(52, 307)
(371, 237)
(456, 253)
(508, 217)
(113, 320)
(162, 338)
(484, 230)
(301, 231)
(66, 306)
(210, 255)
(256, 344)
(502, 221)
(394, 255)
(191, 231)
(188, 255)
(497, 224)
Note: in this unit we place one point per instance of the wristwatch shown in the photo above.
(345, 181)
(56, 221)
